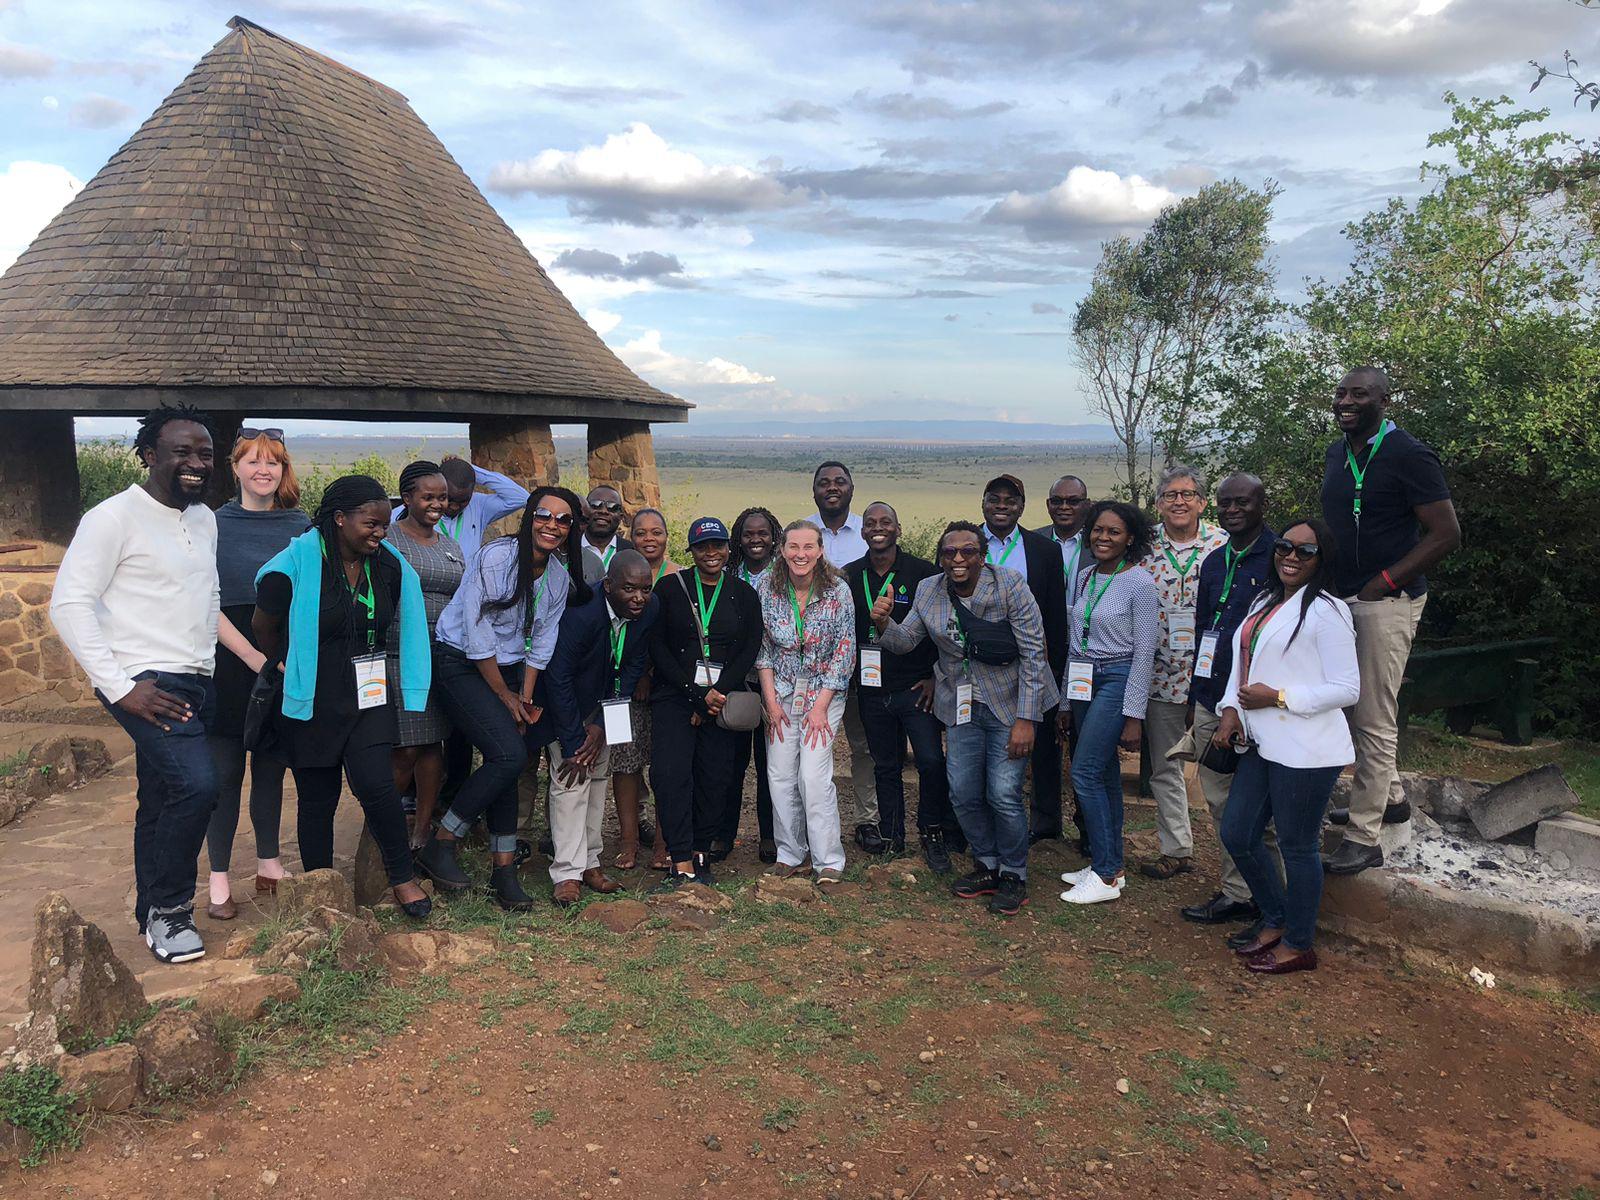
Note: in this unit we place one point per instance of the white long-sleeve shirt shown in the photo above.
(137, 591)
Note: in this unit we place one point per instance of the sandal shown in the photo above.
(1166, 867)
(661, 862)
(627, 858)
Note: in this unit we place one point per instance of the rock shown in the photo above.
(428, 950)
(106, 1080)
(322, 888)
(59, 763)
(1574, 838)
(77, 978)
(843, 890)
(1519, 854)
(889, 875)
(692, 920)
(1526, 800)
(694, 896)
(246, 998)
(355, 938)
(1123, 1087)
(1559, 862)
(874, 1088)
(371, 879)
(38, 1041)
(927, 1056)
(771, 889)
(239, 945)
(293, 951)
(180, 1050)
(619, 916)
(268, 1178)
(713, 1142)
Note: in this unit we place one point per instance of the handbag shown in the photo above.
(262, 706)
(991, 642)
(741, 711)
(1224, 760)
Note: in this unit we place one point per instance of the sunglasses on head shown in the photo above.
(564, 520)
(247, 432)
(606, 505)
(1304, 551)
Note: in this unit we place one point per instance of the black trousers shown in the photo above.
(370, 770)
(689, 770)
(890, 720)
(490, 791)
(752, 744)
(1044, 807)
(266, 799)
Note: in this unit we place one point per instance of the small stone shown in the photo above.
(268, 1178)
(1277, 1069)
(1123, 1087)
(1559, 861)
(874, 1088)
(926, 1056)
(713, 1142)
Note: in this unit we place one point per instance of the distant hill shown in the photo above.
(822, 429)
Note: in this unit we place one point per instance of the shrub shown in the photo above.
(106, 466)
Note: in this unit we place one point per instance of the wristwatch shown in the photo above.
(1283, 699)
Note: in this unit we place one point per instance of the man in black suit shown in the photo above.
(601, 653)
(1011, 547)
(1068, 504)
(603, 516)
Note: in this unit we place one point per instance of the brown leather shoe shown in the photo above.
(266, 886)
(597, 879)
(226, 911)
(566, 893)
(1265, 964)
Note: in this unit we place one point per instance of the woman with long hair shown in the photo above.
(808, 651)
(648, 532)
(437, 559)
(1114, 627)
(328, 606)
(753, 545)
(251, 528)
(1294, 669)
(494, 637)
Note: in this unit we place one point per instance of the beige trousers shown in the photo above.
(1164, 724)
(863, 779)
(1216, 787)
(576, 813)
(1384, 632)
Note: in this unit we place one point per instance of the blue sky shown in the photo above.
(878, 208)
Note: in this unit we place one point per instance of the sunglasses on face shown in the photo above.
(951, 553)
(1179, 494)
(606, 505)
(1060, 501)
(1304, 551)
(545, 516)
(246, 432)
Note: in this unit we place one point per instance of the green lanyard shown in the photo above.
(706, 611)
(611, 552)
(1183, 571)
(1233, 559)
(800, 616)
(1077, 555)
(533, 610)
(454, 526)
(745, 575)
(1261, 623)
(1359, 472)
(1010, 546)
(369, 601)
(659, 569)
(1095, 597)
(619, 639)
(888, 582)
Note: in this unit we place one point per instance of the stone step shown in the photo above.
(1577, 838)
(1518, 803)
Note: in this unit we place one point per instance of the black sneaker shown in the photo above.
(1011, 896)
(934, 852)
(671, 882)
(981, 882)
(870, 839)
(437, 860)
(507, 889)
(702, 869)
(522, 853)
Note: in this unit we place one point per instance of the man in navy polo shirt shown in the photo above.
(1231, 577)
(1385, 497)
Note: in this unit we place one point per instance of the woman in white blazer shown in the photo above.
(1294, 669)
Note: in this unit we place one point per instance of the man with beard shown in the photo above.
(136, 602)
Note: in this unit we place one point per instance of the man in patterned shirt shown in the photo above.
(1182, 542)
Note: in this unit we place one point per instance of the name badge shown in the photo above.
(1180, 629)
(963, 703)
(1080, 680)
(618, 722)
(372, 681)
(1207, 654)
(801, 700)
(871, 666)
(707, 673)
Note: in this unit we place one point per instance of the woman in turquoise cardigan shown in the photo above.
(328, 606)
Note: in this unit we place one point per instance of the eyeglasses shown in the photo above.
(964, 552)
(1305, 551)
(246, 432)
(1179, 494)
(1057, 501)
(606, 505)
(564, 520)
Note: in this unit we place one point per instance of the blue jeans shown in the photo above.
(477, 713)
(986, 791)
(1096, 770)
(1293, 799)
(890, 718)
(177, 791)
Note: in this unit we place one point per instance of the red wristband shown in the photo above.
(1389, 579)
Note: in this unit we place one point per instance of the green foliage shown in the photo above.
(105, 467)
(12, 764)
(33, 1101)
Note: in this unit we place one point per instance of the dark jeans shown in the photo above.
(177, 790)
(457, 766)
(1096, 768)
(986, 791)
(473, 708)
(689, 769)
(370, 770)
(890, 718)
(1294, 800)
(266, 800)
(745, 746)
(1044, 807)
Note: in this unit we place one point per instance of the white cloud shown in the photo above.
(50, 103)
(20, 62)
(1087, 203)
(31, 193)
(646, 355)
(601, 321)
(100, 112)
(636, 177)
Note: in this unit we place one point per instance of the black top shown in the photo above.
(337, 724)
(581, 675)
(1049, 590)
(1402, 475)
(900, 671)
(735, 637)
(1252, 574)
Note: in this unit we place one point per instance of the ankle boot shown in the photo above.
(507, 889)
(437, 860)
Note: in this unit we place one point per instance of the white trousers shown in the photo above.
(805, 806)
(576, 811)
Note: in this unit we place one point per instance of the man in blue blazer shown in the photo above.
(601, 652)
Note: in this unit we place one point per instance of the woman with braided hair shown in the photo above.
(328, 606)
(439, 563)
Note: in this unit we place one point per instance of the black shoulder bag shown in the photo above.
(991, 642)
(262, 707)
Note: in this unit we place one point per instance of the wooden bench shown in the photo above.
(1491, 682)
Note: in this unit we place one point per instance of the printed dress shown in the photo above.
(439, 565)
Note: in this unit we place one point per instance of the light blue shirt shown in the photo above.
(844, 546)
(1072, 560)
(1016, 559)
(480, 632)
(505, 495)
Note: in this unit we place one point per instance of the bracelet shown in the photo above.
(1389, 579)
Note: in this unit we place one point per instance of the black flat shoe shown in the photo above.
(719, 851)
(1219, 910)
(702, 869)
(870, 839)
(1393, 814)
(437, 860)
(768, 851)
(547, 847)
(1351, 858)
(507, 891)
(417, 910)
(1240, 938)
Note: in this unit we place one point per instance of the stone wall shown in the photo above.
(516, 446)
(622, 454)
(36, 672)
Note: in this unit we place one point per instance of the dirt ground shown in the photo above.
(890, 1043)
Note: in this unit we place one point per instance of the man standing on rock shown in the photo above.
(1385, 497)
(136, 602)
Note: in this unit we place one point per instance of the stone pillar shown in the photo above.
(38, 477)
(622, 454)
(520, 447)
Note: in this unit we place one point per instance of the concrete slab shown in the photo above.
(1576, 837)
(1521, 802)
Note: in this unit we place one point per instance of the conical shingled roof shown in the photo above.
(284, 223)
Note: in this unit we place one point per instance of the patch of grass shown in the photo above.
(783, 1116)
(584, 1020)
(1225, 1127)
(784, 935)
(12, 764)
(815, 1015)
(1180, 1001)
(929, 1091)
(1197, 1077)
(33, 1101)
(542, 1116)
(122, 1033)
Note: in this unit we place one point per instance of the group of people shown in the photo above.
(386, 639)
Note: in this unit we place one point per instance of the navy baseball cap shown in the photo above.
(707, 529)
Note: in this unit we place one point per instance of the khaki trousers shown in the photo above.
(1215, 787)
(576, 813)
(863, 774)
(1164, 724)
(1384, 632)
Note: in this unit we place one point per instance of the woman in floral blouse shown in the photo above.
(808, 652)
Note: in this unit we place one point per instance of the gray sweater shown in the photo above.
(245, 541)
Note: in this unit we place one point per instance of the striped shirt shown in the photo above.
(1125, 628)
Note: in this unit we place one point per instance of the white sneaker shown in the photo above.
(1076, 877)
(1093, 890)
